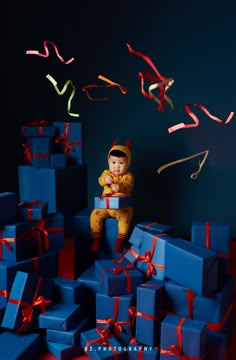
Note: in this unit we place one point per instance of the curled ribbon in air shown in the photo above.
(168, 83)
(200, 163)
(110, 83)
(195, 118)
(154, 79)
(68, 82)
(36, 52)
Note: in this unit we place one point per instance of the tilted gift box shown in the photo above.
(14, 244)
(153, 225)
(19, 346)
(150, 299)
(182, 337)
(30, 295)
(101, 344)
(191, 266)
(69, 139)
(61, 317)
(32, 210)
(118, 277)
(215, 310)
(116, 313)
(150, 254)
(69, 337)
(63, 189)
(38, 128)
(8, 208)
(112, 202)
(69, 291)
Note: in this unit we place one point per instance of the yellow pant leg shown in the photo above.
(124, 217)
(96, 219)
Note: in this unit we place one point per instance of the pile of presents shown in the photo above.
(163, 298)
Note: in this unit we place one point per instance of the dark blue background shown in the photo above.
(191, 41)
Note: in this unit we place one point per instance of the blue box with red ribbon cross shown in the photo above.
(30, 296)
(112, 202)
(32, 210)
(38, 129)
(116, 313)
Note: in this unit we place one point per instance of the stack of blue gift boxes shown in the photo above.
(163, 298)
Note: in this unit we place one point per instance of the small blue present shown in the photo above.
(32, 210)
(29, 296)
(191, 266)
(181, 336)
(41, 149)
(38, 128)
(101, 344)
(112, 202)
(69, 337)
(69, 139)
(118, 277)
(69, 291)
(61, 317)
(116, 313)
(150, 299)
(8, 208)
(19, 346)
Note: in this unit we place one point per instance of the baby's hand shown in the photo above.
(115, 187)
(108, 180)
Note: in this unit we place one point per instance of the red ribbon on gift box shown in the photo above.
(29, 205)
(6, 242)
(27, 153)
(41, 156)
(218, 327)
(28, 309)
(104, 335)
(178, 349)
(64, 139)
(208, 239)
(4, 293)
(40, 125)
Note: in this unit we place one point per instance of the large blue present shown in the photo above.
(41, 149)
(191, 266)
(112, 202)
(117, 314)
(19, 346)
(32, 210)
(14, 245)
(8, 208)
(118, 277)
(101, 344)
(69, 291)
(137, 351)
(30, 295)
(150, 254)
(150, 299)
(215, 310)
(63, 189)
(69, 337)
(63, 351)
(69, 138)
(181, 336)
(38, 128)
(61, 317)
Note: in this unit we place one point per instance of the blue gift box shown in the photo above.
(115, 313)
(69, 337)
(217, 345)
(35, 129)
(69, 291)
(150, 253)
(57, 161)
(63, 189)
(3, 304)
(63, 351)
(138, 351)
(41, 149)
(181, 336)
(70, 137)
(32, 210)
(112, 202)
(19, 346)
(8, 208)
(191, 266)
(29, 296)
(100, 344)
(153, 225)
(150, 299)
(214, 310)
(118, 277)
(14, 244)
(61, 317)
(53, 229)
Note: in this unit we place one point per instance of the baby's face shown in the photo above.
(118, 165)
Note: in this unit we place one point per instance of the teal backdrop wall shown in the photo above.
(191, 42)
